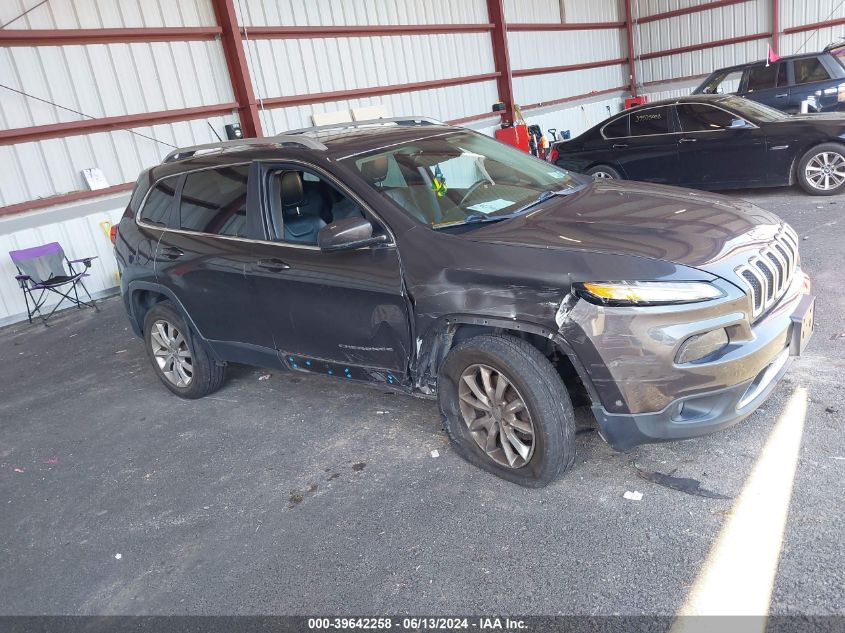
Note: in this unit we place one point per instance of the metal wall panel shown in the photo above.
(532, 11)
(594, 11)
(569, 47)
(305, 66)
(730, 21)
(52, 167)
(102, 80)
(446, 104)
(543, 88)
(371, 12)
(93, 14)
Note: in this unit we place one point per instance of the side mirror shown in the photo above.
(738, 124)
(348, 234)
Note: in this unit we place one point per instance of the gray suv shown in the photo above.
(432, 260)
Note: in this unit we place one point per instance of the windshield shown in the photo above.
(459, 177)
(753, 110)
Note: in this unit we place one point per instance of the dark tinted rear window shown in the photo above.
(651, 121)
(809, 70)
(156, 209)
(696, 117)
(617, 128)
(761, 77)
(214, 201)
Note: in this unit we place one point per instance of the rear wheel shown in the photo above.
(180, 359)
(821, 171)
(506, 409)
(604, 172)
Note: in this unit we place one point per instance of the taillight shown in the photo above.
(553, 155)
(113, 233)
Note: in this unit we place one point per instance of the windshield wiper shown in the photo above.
(472, 218)
(545, 195)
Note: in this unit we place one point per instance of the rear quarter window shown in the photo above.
(617, 128)
(809, 70)
(159, 203)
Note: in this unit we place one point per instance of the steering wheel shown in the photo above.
(477, 184)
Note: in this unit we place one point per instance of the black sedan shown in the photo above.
(713, 142)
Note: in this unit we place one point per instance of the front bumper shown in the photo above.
(644, 396)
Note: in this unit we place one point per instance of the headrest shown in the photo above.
(375, 170)
(292, 194)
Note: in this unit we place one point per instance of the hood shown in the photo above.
(817, 117)
(686, 227)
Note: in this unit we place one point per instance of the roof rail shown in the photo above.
(282, 139)
(399, 120)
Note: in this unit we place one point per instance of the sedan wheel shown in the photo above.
(496, 416)
(602, 175)
(171, 353)
(826, 171)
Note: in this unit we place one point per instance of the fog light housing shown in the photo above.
(701, 346)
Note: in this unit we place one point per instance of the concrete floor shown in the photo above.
(300, 494)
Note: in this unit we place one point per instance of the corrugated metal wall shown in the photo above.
(794, 13)
(746, 18)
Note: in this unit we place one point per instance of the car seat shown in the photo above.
(300, 212)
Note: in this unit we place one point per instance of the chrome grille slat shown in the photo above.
(768, 274)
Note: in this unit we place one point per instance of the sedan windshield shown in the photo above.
(460, 178)
(754, 111)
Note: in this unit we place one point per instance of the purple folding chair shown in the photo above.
(41, 269)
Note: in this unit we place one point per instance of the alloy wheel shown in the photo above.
(602, 175)
(825, 171)
(171, 353)
(496, 415)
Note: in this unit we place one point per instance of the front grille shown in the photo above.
(768, 274)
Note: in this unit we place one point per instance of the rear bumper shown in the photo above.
(695, 415)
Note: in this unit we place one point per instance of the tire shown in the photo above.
(604, 172)
(531, 378)
(165, 331)
(811, 170)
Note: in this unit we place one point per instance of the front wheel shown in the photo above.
(506, 409)
(821, 171)
(604, 172)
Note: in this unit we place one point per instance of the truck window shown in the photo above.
(761, 78)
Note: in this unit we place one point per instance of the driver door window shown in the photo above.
(301, 203)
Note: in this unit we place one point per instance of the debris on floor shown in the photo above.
(264, 377)
(435, 453)
(683, 484)
(51, 460)
(359, 466)
(633, 495)
(19, 470)
(118, 556)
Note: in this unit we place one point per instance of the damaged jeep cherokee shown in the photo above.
(433, 260)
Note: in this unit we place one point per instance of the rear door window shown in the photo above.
(617, 128)
(214, 201)
(650, 122)
(696, 117)
(761, 78)
(809, 70)
(159, 202)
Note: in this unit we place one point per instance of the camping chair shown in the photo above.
(41, 270)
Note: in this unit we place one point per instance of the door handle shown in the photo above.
(272, 265)
(688, 140)
(782, 96)
(619, 145)
(171, 252)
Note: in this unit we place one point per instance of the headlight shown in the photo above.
(646, 293)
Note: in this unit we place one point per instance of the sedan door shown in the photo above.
(650, 152)
(327, 311)
(718, 148)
